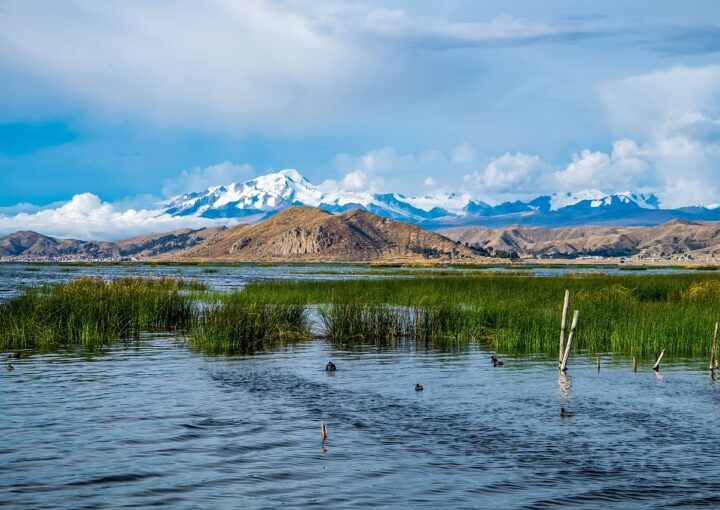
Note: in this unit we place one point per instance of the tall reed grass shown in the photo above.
(239, 326)
(90, 313)
(631, 314)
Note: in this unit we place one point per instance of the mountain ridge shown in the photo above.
(677, 239)
(259, 198)
(309, 234)
(31, 245)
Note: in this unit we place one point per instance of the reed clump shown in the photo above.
(91, 313)
(368, 323)
(237, 325)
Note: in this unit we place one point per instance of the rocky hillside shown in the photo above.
(28, 245)
(313, 235)
(675, 240)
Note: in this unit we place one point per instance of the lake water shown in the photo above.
(153, 424)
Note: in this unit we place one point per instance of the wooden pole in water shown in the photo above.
(324, 430)
(658, 360)
(563, 364)
(634, 364)
(563, 325)
(713, 351)
(598, 363)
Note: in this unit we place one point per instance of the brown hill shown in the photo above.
(312, 235)
(677, 239)
(28, 245)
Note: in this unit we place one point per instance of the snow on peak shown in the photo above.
(451, 202)
(599, 198)
(560, 200)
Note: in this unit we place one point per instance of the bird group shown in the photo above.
(330, 367)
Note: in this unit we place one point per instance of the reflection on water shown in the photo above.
(153, 424)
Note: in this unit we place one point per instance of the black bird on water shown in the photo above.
(565, 413)
(10, 367)
(418, 387)
(330, 367)
(496, 362)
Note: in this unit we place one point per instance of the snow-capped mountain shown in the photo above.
(263, 196)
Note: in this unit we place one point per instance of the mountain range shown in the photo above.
(675, 240)
(29, 245)
(309, 234)
(260, 198)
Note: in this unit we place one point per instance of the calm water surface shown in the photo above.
(153, 424)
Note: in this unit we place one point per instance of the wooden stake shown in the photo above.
(634, 364)
(563, 364)
(324, 430)
(563, 325)
(713, 351)
(598, 364)
(658, 360)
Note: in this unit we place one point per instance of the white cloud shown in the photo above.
(510, 173)
(637, 105)
(87, 217)
(199, 179)
(625, 168)
(430, 183)
(220, 65)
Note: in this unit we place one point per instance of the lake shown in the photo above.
(151, 423)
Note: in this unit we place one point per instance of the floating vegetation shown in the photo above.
(90, 313)
(239, 326)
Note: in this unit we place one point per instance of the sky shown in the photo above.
(125, 104)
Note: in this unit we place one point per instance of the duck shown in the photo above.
(496, 362)
(418, 387)
(10, 367)
(565, 413)
(330, 367)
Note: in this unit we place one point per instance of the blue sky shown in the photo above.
(501, 99)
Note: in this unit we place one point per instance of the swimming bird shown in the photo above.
(418, 387)
(565, 413)
(14, 355)
(496, 362)
(10, 367)
(330, 367)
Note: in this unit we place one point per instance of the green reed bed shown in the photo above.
(630, 314)
(91, 313)
(237, 325)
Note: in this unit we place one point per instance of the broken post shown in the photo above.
(658, 360)
(324, 430)
(598, 364)
(563, 364)
(634, 364)
(713, 351)
(563, 325)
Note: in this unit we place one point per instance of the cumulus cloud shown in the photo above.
(625, 168)
(510, 173)
(87, 217)
(199, 178)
